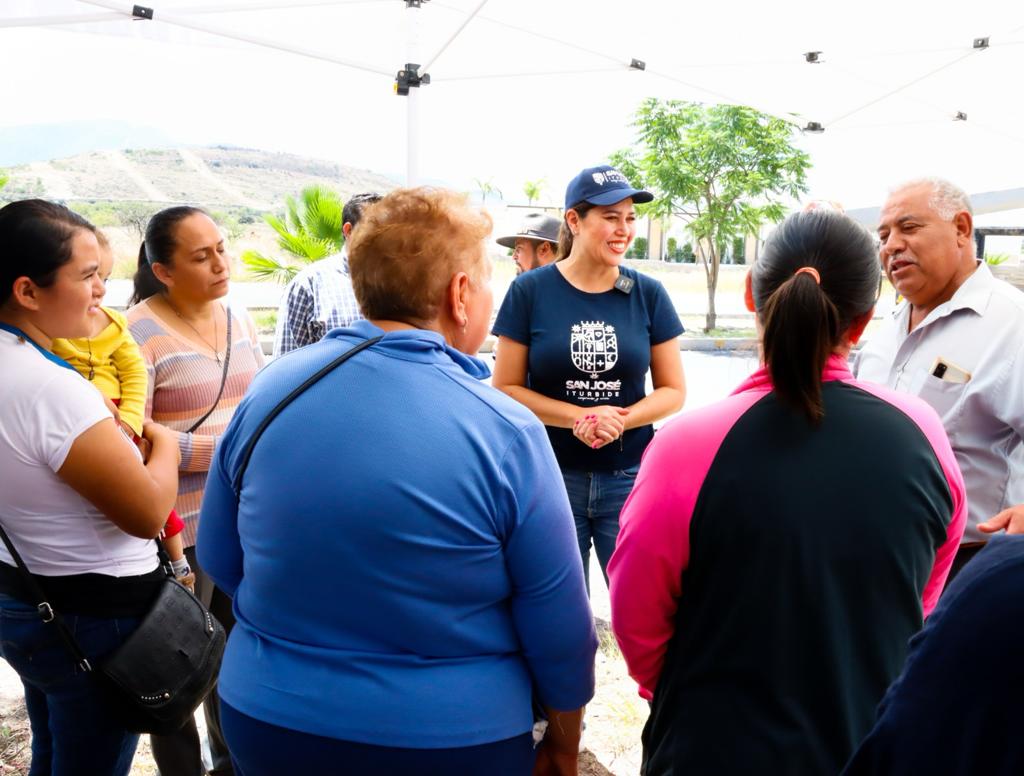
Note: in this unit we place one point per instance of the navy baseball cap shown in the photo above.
(603, 185)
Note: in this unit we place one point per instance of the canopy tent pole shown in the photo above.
(412, 96)
(417, 75)
(126, 9)
(54, 20)
(454, 35)
(58, 20)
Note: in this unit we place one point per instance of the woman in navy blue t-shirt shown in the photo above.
(576, 341)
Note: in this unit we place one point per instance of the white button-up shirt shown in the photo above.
(980, 330)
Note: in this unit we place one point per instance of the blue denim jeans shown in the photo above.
(73, 732)
(596, 499)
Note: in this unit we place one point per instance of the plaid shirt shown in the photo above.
(318, 299)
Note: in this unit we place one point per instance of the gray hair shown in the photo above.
(947, 198)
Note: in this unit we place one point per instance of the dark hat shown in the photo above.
(535, 226)
(603, 185)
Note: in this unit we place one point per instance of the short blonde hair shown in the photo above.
(407, 247)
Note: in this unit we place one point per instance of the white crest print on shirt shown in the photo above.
(594, 348)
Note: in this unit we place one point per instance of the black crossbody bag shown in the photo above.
(161, 673)
(156, 679)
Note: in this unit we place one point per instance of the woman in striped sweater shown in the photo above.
(200, 357)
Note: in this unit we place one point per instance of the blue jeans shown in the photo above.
(596, 499)
(73, 732)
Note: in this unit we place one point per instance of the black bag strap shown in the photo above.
(223, 379)
(48, 614)
(295, 393)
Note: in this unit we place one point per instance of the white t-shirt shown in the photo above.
(43, 409)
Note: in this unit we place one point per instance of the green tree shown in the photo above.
(726, 169)
(486, 188)
(638, 250)
(739, 250)
(135, 216)
(672, 249)
(309, 231)
(533, 189)
(3, 179)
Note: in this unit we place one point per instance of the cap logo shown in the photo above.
(609, 176)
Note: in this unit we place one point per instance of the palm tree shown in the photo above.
(310, 231)
(487, 187)
(533, 189)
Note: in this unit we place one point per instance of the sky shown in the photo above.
(201, 89)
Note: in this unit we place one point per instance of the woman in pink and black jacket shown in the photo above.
(780, 547)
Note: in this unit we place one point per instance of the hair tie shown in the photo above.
(809, 271)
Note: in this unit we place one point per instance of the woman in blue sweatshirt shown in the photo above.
(400, 546)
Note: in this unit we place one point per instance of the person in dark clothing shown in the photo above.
(780, 547)
(931, 723)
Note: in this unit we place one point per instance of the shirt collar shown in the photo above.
(336, 261)
(420, 345)
(23, 338)
(836, 368)
(973, 294)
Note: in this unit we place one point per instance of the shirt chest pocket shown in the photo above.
(943, 395)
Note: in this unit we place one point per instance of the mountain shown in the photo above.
(40, 142)
(216, 176)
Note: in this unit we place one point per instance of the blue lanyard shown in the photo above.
(46, 353)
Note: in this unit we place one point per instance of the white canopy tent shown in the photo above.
(529, 88)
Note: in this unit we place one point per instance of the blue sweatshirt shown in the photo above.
(402, 557)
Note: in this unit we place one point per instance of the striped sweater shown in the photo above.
(183, 383)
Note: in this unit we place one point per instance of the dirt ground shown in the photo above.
(614, 718)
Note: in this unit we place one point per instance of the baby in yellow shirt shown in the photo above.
(110, 359)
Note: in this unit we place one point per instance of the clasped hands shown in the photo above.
(600, 425)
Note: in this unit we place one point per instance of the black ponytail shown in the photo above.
(804, 320)
(145, 282)
(158, 248)
(801, 328)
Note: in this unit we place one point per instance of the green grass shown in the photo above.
(725, 332)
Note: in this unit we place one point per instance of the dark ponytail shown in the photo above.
(158, 248)
(801, 327)
(804, 320)
(565, 234)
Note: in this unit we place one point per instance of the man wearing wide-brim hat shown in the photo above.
(536, 242)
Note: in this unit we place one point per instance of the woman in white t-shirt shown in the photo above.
(76, 500)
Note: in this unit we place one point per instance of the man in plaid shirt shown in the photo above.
(320, 298)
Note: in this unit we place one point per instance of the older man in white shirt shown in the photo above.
(957, 341)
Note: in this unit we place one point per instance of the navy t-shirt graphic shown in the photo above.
(589, 349)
